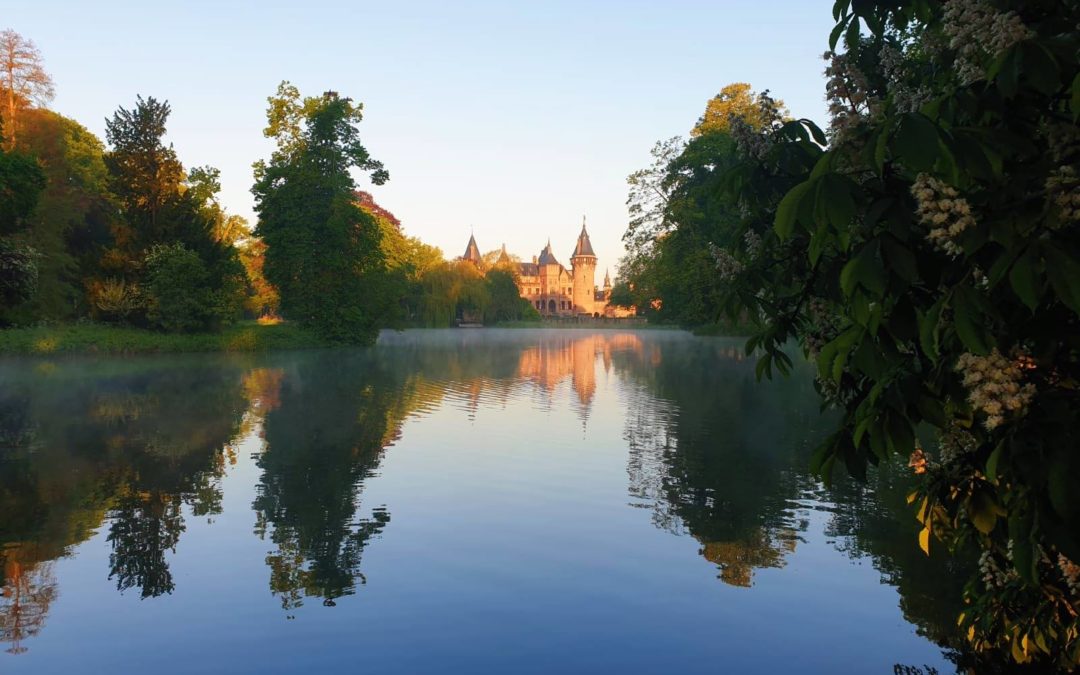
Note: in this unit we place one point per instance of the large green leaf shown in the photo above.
(788, 210)
(969, 320)
(1064, 274)
(916, 142)
(1024, 279)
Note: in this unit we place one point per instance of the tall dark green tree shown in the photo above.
(162, 207)
(323, 251)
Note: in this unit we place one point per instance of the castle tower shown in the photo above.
(550, 288)
(607, 281)
(472, 252)
(583, 264)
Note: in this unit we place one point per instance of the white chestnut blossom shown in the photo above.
(1063, 187)
(978, 33)
(726, 263)
(893, 66)
(994, 385)
(847, 91)
(943, 210)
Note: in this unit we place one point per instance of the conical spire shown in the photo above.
(607, 279)
(584, 246)
(546, 256)
(472, 251)
(504, 257)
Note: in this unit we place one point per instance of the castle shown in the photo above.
(551, 288)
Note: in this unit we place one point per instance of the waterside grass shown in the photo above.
(92, 338)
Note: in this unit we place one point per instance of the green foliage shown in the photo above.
(170, 226)
(504, 300)
(182, 295)
(323, 251)
(18, 273)
(72, 223)
(621, 295)
(678, 212)
(928, 259)
(21, 183)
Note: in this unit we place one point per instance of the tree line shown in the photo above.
(922, 250)
(122, 232)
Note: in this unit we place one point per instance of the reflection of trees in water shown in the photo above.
(336, 413)
(711, 451)
(720, 456)
(126, 443)
(144, 526)
(873, 520)
(24, 602)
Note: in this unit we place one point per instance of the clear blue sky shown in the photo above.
(509, 118)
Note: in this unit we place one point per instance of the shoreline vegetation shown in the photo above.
(247, 336)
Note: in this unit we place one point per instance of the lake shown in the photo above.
(481, 501)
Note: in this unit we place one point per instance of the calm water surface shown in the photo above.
(448, 501)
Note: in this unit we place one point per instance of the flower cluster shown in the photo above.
(752, 242)
(992, 574)
(993, 384)
(754, 140)
(1063, 186)
(847, 92)
(977, 31)
(726, 263)
(941, 207)
(918, 461)
(954, 443)
(821, 327)
(1062, 140)
(749, 142)
(1071, 572)
(905, 97)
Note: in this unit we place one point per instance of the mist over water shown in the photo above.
(448, 501)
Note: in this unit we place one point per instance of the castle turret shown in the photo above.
(504, 257)
(472, 252)
(583, 264)
(607, 280)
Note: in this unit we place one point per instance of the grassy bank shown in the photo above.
(102, 339)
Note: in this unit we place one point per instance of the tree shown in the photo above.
(928, 260)
(23, 79)
(145, 174)
(161, 206)
(262, 298)
(677, 211)
(21, 183)
(323, 251)
(739, 102)
(73, 220)
(621, 295)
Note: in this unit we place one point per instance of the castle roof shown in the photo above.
(504, 258)
(607, 279)
(472, 251)
(547, 257)
(584, 246)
